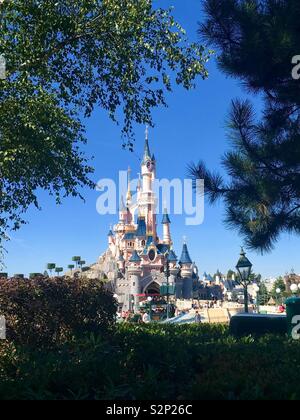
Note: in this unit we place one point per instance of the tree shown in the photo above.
(81, 263)
(71, 267)
(58, 270)
(256, 41)
(234, 296)
(263, 294)
(77, 260)
(231, 274)
(51, 267)
(62, 60)
(279, 284)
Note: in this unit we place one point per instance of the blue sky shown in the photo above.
(191, 128)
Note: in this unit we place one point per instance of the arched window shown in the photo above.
(152, 255)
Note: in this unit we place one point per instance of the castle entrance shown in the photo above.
(153, 289)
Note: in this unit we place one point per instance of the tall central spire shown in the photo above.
(147, 154)
(129, 194)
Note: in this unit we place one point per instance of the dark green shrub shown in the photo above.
(150, 362)
(258, 325)
(45, 311)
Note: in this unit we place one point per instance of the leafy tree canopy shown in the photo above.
(257, 41)
(65, 58)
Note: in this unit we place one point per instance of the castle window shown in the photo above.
(152, 255)
(143, 243)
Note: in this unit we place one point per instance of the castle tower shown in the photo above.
(148, 199)
(129, 193)
(134, 274)
(123, 211)
(166, 222)
(110, 237)
(186, 264)
(136, 257)
(121, 263)
(172, 259)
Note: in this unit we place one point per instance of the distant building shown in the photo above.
(290, 279)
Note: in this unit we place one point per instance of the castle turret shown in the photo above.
(110, 237)
(147, 196)
(129, 193)
(123, 211)
(172, 260)
(166, 222)
(121, 263)
(186, 264)
(134, 274)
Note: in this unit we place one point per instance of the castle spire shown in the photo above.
(147, 154)
(166, 218)
(129, 194)
(185, 256)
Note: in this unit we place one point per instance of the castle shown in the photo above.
(136, 257)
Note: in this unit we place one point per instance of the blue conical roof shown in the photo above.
(110, 233)
(142, 228)
(172, 256)
(185, 256)
(147, 153)
(166, 219)
(135, 257)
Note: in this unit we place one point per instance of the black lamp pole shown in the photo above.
(168, 291)
(244, 268)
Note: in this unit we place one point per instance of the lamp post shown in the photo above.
(294, 289)
(256, 290)
(167, 271)
(278, 292)
(150, 307)
(244, 268)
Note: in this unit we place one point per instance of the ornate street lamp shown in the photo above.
(256, 289)
(167, 289)
(149, 299)
(244, 268)
(278, 293)
(294, 289)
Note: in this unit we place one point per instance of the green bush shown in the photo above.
(45, 312)
(155, 362)
(258, 325)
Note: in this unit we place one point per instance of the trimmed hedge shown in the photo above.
(47, 312)
(169, 362)
(258, 325)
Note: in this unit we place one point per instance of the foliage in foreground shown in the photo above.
(256, 41)
(63, 60)
(155, 362)
(46, 312)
